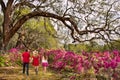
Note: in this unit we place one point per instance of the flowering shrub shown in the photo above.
(15, 56)
(102, 62)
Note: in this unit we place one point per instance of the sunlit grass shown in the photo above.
(12, 73)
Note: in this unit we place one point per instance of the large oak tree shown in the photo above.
(86, 19)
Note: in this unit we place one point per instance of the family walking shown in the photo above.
(36, 59)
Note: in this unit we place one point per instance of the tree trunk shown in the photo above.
(6, 40)
(7, 10)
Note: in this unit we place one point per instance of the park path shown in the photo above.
(15, 73)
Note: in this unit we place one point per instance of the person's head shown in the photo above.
(45, 56)
(35, 53)
(27, 50)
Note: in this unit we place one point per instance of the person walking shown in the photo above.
(36, 61)
(44, 62)
(26, 59)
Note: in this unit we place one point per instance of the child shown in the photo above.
(35, 61)
(44, 62)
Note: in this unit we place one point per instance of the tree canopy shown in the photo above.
(86, 20)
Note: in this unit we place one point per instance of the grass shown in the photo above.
(15, 73)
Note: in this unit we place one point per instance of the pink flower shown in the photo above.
(107, 53)
(116, 52)
(13, 50)
(79, 67)
(113, 64)
(118, 58)
(106, 64)
(84, 53)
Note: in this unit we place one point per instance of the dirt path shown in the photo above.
(15, 73)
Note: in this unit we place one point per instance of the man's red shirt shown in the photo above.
(26, 56)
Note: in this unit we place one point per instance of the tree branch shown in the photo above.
(3, 6)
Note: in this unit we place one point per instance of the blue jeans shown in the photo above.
(26, 68)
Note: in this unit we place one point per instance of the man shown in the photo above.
(26, 59)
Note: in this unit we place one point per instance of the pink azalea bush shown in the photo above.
(62, 60)
(15, 56)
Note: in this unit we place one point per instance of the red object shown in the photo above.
(26, 56)
(36, 61)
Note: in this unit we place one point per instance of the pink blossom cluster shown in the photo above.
(105, 60)
(62, 59)
(13, 55)
(14, 50)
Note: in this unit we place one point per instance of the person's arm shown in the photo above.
(22, 57)
(31, 59)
